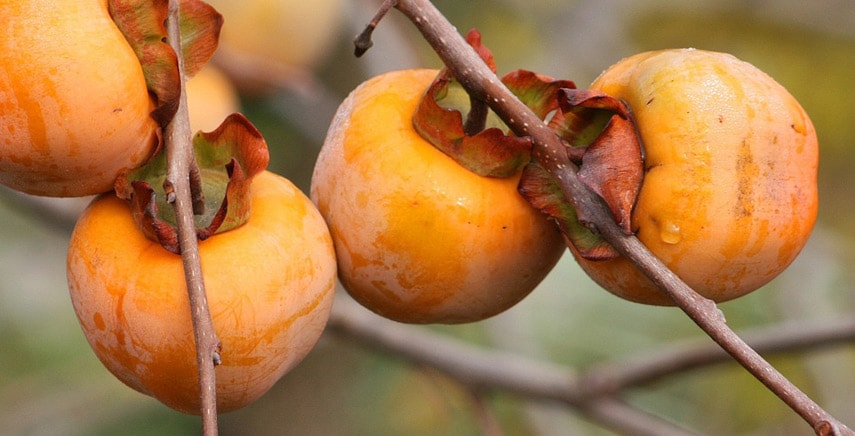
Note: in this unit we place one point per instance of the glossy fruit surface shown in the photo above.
(74, 107)
(419, 238)
(270, 286)
(729, 196)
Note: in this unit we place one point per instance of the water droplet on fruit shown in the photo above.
(670, 233)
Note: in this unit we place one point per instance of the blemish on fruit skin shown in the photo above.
(99, 321)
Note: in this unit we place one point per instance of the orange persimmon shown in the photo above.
(74, 106)
(729, 196)
(270, 286)
(419, 238)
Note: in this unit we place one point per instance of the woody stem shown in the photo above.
(178, 186)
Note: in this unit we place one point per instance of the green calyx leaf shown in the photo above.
(143, 22)
(599, 129)
(542, 191)
(228, 158)
(537, 91)
(487, 149)
(482, 142)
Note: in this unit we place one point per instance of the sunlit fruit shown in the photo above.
(269, 282)
(419, 238)
(74, 107)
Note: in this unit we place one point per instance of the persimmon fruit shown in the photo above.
(211, 97)
(419, 238)
(285, 33)
(729, 195)
(270, 286)
(74, 107)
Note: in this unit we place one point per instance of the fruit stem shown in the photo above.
(363, 41)
(483, 84)
(196, 194)
(476, 119)
(179, 183)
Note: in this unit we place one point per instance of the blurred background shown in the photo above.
(288, 63)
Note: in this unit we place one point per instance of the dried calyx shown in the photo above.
(144, 25)
(596, 128)
(227, 159)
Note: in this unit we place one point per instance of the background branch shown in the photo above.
(591, 392)
(612, 377)
(483, 369)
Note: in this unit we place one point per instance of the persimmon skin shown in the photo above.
(74, 107)
(419, 238)
(729, 196)
(270, 286)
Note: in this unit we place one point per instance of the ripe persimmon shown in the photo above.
(729, 195)
(270, 286)
(74, 106)
(419, 238)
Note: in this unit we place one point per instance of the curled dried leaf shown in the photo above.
(490, 150)
(612, 168)
(228, 159)
(542, 191)
(537, 91)
(612, 163)
(466, 130)
(143, 23)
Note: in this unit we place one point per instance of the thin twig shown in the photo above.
(609, 378)
(590, 391)
(181, 163)
(483, 84)
(363, 41)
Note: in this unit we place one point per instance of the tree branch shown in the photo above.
(612, 377)
(482, 369)
(483, 84)
(181, 164)
(591, 392)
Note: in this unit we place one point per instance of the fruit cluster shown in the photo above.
(83, 113)
(425, 212)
